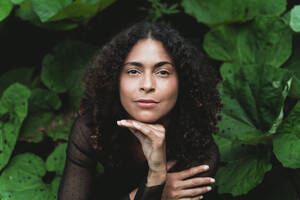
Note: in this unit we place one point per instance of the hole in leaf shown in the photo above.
(5, 118)
(48, 178)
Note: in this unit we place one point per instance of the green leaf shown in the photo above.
(21, 75)
(60, 16)
(46, 9)
(293, 66)
(295, 18)
(25, 12)
(286, 144)
(35, 125)
(62, 69)
(17, 1)
(99, 169)
(240, 176)
(60, 128)
(22, 179)
(266, 40)
(56, 160)
(74, 96)
(228, 11)
(81, 11)
(13, 110)
(278, 184)
(5, 8)
(253, 96)
(44, 100)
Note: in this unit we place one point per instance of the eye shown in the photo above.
(132, 71)
(164, 72)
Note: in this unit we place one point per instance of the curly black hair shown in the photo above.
(194, 116)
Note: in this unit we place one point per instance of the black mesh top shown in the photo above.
(79, 180)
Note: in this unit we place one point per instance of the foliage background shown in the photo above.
(253, 44)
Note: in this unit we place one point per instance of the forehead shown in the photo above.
(148, 50)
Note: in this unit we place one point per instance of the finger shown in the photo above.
(192, 198)
(192, 171)
(199, 181)
(195, 191)
(139, 126)
(155, 127)
(170, 164)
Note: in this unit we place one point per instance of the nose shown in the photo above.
(147, 83)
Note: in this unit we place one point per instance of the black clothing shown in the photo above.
(79, 181)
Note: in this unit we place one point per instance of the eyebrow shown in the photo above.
(138, 64)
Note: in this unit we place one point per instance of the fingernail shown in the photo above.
(208, 188)
(212, 180)
(206, 167)
(201, 197)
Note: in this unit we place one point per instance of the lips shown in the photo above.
(146, 103)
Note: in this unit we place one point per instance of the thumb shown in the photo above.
(170, 164)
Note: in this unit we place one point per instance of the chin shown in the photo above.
(146, 117)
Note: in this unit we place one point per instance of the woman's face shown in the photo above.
(148, 82)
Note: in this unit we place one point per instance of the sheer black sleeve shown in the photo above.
(80, 170)
(80, 166)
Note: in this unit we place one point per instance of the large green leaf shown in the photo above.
(286, 145)
(295, 18)
(62, 69)
(60, 14)
(35, 125)
(25, 12)
(17, 1)
(60, 127)
(46, 9)
(44, 100)
(266, 40)
(74, 96)
(22, 180)
(240, 176)
(56, 160)
(21, 75)
(42, 103)
(13, 110)
(228, 11)
(5, 8)
(293, 65)
(81, 11)
(253, 96)
(278, 184)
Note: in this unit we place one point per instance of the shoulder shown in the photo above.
(81, 132)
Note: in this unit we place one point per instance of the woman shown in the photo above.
(148, 111)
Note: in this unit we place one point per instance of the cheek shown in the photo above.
(170, 90)
(127, 87)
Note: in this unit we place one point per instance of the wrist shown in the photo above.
(156, 177)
